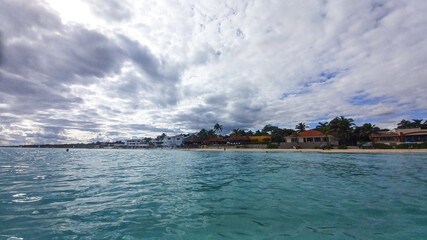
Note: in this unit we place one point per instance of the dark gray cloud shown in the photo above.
(20, 18)
(41, 58)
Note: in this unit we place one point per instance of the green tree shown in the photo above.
(161, 137)
(217, 128)
(237, 132)
(277, 135)
(320, 125)
(325, 129)
(363, 132)
(268, 129)
(203, 134)
(258, 133)
(343, 128)
(417, 123)
(301, 127)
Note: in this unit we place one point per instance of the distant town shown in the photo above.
(340, 132)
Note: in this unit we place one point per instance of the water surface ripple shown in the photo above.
(159, 194)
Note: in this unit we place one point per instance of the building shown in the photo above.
(215, 141)
(192, 141)
(390, 138)
(136, 143)
(173, 142)
(238, 140)
(410, 135)
(265, 138)
(309, 139)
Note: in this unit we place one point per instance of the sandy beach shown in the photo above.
(313, 150)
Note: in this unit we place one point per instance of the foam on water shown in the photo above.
(120, 194)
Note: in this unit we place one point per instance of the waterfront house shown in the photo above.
(215, 141)
(192, 141)
(238, 140)
(413, 135)
(265, 138)
(309, 139)
(173, 141)
(136, 143)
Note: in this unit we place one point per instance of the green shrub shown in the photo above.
(382, 146)
(408, 146)
(272, 146)
(327, 146)
(422, 145)
(402, 146)
(342, 147)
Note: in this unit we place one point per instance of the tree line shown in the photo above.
(347, 132)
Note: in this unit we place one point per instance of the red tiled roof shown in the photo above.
(309, 133)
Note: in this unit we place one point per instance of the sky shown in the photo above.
(85, 71)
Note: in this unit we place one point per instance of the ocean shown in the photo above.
(175, 194)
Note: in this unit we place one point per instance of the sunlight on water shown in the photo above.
(154, 194)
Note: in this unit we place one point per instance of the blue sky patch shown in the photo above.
(364, 99)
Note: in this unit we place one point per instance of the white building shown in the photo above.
(136, 143)
(173, 142)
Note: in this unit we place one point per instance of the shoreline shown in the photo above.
(311, 150)
(221, 149)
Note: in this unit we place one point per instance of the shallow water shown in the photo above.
(155, 194)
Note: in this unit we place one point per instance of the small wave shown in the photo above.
(22, 198)
(39, 177)
(27, 199)
(15, 238)
(19, 195)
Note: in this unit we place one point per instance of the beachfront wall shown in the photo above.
(308, 139)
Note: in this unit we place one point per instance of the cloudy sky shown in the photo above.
(81, 71)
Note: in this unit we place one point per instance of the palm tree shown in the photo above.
(301, 127)
(343, 127)
(217, 128)
(404, 124)
(325, 129)
(237, 132)
(320, 125)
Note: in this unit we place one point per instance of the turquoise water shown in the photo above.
(155, 194)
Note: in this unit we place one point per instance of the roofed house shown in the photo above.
(415, 135)
(136, 143)
(173, 141)
(215, 141)
(238, 140)
(309, 139)
(265, 138)
(385, 137)
(192, 141)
